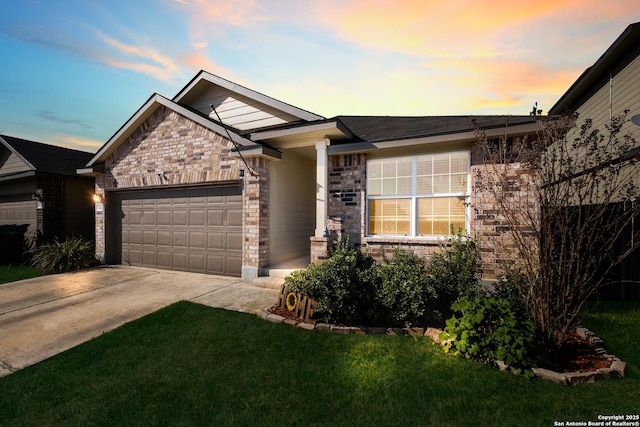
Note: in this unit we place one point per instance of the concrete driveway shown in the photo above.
(44, 316)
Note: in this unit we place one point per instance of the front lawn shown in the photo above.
(11, 273)
(193, 365)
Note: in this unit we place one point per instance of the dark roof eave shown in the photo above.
(628, 40)
(19, 175)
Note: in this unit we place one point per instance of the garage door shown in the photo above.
(194, 229)
(18, 210)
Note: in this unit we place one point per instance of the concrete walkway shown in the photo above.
(44, 316)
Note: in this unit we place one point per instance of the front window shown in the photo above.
(418, 196)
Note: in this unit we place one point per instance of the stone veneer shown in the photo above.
(255, 253)
(169, 150)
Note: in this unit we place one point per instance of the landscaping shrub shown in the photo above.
(508, 288)
(455, 270)
(58, 257)
(340, 286)
(488, 330)
(405, 295)
(353, 289)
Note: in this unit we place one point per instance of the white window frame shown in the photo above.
(413, 197)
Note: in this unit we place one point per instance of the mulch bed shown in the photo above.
(577, 355)
(280, 311)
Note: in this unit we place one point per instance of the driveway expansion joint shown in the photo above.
(216, 290)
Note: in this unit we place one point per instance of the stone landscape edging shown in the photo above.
(616, 370)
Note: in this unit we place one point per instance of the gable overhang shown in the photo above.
(258, 151)
(94, 170)
(303, 135)
(204, 77)
(153, 103)
(625, 48)
(16, 153)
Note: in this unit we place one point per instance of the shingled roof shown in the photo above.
(385, 128)
(47, 158)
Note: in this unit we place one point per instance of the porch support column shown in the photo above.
(321, 186)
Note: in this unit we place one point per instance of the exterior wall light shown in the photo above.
(39, 202)
(97, 199)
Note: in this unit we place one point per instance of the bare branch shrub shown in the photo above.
(566, 198)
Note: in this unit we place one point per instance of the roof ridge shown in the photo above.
(30, 141)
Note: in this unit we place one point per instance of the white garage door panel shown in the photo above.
(198, 229)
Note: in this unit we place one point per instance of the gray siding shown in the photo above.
(10, 163)
(292, 207)
(238, 111)
(625, 96)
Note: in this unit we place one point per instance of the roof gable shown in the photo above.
(153, 103)
(238, 106)
(36, 156)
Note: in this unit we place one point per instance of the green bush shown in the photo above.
(488, 330)
(455, 270)
(405, 295)
(339, 285)
(59, 257)
(352, 289)
(508, 288)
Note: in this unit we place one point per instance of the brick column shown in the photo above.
(100, 219)
(320, 247)
(255, 252)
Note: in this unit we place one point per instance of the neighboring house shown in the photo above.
(178, 194)
(605, 90)
(41, 192)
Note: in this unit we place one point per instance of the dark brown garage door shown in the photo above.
(188, 229)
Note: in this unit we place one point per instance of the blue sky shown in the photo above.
(73, 71)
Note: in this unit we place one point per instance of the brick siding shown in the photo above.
(347, 216)
(168, 150)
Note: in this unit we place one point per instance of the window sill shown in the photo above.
(423, 240)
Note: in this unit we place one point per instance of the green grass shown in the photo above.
(193, 365)
(10, 273)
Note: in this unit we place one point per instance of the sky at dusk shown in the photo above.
(73, 71)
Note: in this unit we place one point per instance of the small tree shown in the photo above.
(565, 198)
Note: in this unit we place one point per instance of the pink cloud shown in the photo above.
(198, 60)
(144, 59)
(462, 28)
(209, 18)
(75, 142)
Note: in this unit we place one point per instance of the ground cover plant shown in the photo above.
(489, 329)
(11, 273)
(71, 254)
(194, 365)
